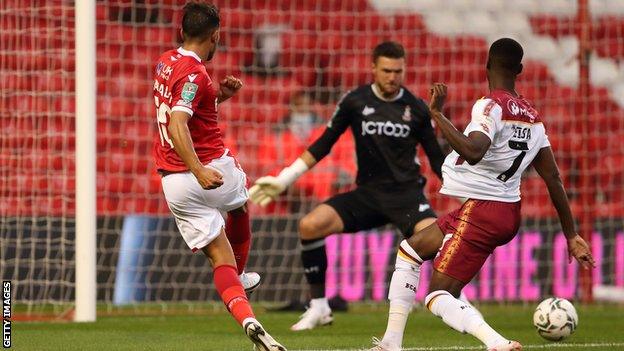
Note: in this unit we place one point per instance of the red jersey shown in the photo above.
(181, 83)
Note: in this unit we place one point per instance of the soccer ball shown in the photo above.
(555, 319)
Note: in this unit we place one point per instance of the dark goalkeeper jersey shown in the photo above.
(386, 135)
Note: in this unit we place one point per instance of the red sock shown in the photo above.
(239, 235)
(232, 293)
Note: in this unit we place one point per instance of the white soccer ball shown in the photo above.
(555, 319)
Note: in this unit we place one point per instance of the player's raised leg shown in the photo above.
(313, 228)
(238, 231)
(233, 295)
(474, 232)
(462, 317)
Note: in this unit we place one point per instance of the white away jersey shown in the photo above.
(517, 135)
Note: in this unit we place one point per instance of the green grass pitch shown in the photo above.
(600, 328)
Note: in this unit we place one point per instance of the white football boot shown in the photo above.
(261, 339)
(250, 281)
(316, 316)
(378, 345)
(508, 346)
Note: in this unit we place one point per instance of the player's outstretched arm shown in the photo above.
(546, 167)
(471, 148)
(267, 188)
(183, 145)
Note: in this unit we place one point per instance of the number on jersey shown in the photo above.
(515, 145)
(162, 112)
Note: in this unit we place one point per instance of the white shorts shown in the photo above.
(197, 211)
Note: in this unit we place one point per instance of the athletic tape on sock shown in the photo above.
(407, 253)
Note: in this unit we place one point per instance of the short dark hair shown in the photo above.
(506, 54)
(390, 49)
(200, 19)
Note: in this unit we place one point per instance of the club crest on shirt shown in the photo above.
(189, 90)
(407, 114)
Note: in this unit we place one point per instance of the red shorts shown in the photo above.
(471, 233)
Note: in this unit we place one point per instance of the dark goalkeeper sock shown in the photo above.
(314, 259)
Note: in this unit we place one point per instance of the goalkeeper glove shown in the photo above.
(267, 188)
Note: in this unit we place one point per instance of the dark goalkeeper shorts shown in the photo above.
(366, 208)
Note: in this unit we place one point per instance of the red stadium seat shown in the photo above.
(17, 61)
(115, 33)
(356, 6)
(225, 63)
(298, 50)
(114, 183)
(535, 198)
(566, 143)
(264, 91)
(107, 203)
(101, 12)
(241, 44)
(164, 37)
(407, 22)
(239, 18)
(331, 21)
(553, 26)
(350, 71)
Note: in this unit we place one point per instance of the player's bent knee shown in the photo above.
(312, 227)
(308, 227)
(424, 224)
(427, 242)
(319, 223)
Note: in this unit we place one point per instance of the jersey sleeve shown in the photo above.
(341, 119)
(188, 91)
(486, 118)
(339, 122)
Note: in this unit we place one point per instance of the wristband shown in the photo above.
(289, 174)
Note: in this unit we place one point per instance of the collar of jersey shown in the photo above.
(376, 92)
(185, 52)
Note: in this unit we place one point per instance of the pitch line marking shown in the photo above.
(528, 347)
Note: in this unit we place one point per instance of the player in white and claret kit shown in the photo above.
(200, 177)
(504, 137)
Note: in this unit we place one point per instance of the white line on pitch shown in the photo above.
(450, 348)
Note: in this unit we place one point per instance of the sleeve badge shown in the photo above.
(189, 90)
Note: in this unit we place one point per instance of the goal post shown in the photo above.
(86, 156)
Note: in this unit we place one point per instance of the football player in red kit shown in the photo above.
(200, 177)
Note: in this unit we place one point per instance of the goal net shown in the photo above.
(296, 58)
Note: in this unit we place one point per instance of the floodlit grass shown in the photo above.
(210, 330)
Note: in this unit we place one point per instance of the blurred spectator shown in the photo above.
(138, 12)
(301, 119)
(268, 44)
